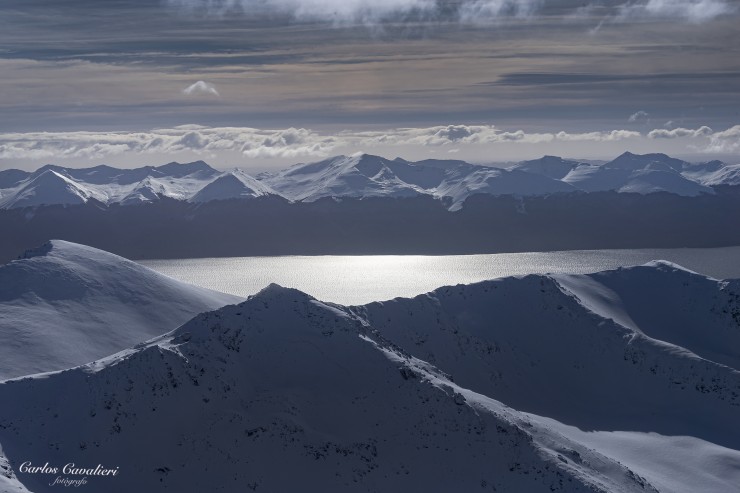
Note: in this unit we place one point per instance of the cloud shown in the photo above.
(690, 10)
(454, 133)
(726, 141)
(201, 87)
(609, 136)
(280, 143)
(662, 133)
(250, 142)
(365, 12)
(703, 139)
(253, 142)
(475, 135)
(481, 10)
(638, 116)
(291, 142)
(341, 12)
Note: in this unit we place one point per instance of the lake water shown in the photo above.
(361, 279)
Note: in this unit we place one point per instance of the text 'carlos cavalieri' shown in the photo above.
(79, 474)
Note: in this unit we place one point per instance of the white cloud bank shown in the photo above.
(304, 143)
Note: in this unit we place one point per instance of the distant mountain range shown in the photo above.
(371, 205)
(620, 381)
(363, 176)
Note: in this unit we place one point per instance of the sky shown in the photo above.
(262, 84)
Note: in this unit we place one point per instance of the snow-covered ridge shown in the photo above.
(55, 185)
(599, 382)
(363, 176)
(64, 304)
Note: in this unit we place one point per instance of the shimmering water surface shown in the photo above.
(361, 279)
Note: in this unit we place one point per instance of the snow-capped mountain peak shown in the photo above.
(48, 188)
(147, 190)
(233, 184)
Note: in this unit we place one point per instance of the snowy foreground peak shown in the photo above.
(561, 383)
(363, 176)
(65, 304)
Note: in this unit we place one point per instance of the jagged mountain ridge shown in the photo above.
(363, 176)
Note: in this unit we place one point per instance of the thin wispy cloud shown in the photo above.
(201, 88)
(638, 116)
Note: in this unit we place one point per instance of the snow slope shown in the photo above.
(8, 480)
(284, 393)
(662, 460)
(64, 304)
(686, 309)
(713, 173)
